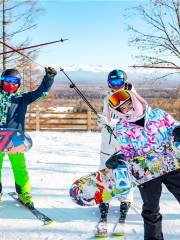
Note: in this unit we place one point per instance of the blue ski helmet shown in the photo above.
(117, 79)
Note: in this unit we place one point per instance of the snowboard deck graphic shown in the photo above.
(14, 141)
(105, 184)
(101, 186)
(154, 164)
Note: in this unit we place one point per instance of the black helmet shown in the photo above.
(11, 72)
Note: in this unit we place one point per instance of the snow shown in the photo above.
(54, 162)
(61, 109)
(89, 68)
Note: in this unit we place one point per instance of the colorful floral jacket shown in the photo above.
(136, 141)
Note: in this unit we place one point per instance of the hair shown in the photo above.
(119, 108)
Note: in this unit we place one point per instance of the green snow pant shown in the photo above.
(18, 163)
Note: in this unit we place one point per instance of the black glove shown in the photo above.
(115, 160)
(50, 72)
(176, 133)
(128, 86)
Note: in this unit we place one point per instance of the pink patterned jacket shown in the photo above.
(136, 141)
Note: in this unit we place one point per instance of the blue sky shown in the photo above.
(96, 31)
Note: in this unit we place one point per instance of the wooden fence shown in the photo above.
(56, 121)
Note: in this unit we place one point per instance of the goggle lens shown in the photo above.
(117, 98)
(11, 79)
(116, 83)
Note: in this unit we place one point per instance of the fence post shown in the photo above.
(37, 120)
(89, 114)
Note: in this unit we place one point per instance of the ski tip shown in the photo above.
(50, 223)
(100, 237)
(119, 235)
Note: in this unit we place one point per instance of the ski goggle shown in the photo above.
(118, 98)
(11, 79)
(116, 83)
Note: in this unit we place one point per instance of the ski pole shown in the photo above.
(22, 54)
(146, 66)
(72, 85)
(62, 70)
(78, 91)
(34, 46)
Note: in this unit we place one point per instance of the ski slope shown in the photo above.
(54, 162)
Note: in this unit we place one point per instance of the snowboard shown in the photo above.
(14, 141)
(154, 164)
(118, 178)
(101, 186)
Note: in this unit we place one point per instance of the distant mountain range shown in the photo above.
(97, 74)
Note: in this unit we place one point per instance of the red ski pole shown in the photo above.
(23, 55)
(176, 68)
(34, 46)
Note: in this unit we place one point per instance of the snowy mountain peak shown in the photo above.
(88, 68)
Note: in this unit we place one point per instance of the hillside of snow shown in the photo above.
(54, 162)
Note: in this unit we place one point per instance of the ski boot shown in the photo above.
(101, 229)
(119, 229)
(26, 199)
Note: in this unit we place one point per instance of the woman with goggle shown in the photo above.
(142, 130)
(117, 79)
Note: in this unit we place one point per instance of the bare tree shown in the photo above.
(18, 17)
(160, 42)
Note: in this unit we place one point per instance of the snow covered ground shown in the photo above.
(54, 162)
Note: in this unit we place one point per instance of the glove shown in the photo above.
(114, 161)
(101, 120)
(128, 86)
(176, 144)
(50, 72)
(176, 133)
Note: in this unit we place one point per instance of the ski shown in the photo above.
(101, 230)
(39, 215)
(118, 230)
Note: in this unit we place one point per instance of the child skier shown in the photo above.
(13, 107)
(140, 130)
(117, 79)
